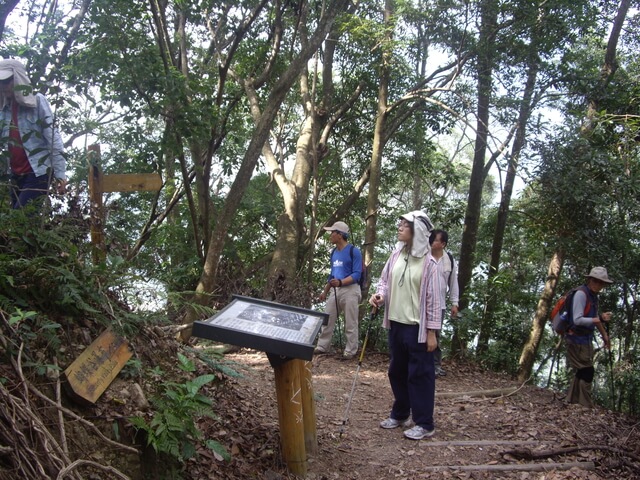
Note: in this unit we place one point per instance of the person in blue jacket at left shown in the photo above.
(343, 291)
(33, 147)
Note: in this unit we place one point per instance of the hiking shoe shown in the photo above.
(320, 351)
(440, 372)
(347, 356)
(393, 423)
(418, 433)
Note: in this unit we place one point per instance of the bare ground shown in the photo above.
(248, 427)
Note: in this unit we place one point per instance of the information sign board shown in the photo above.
(267, 326)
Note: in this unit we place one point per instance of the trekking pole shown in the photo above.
(372, 316)
(335, 295)
(556, 350)
(611, 384)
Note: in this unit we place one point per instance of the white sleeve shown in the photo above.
(579, 303)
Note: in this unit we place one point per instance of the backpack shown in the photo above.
(451, 271)
(562, 316)
(363, 275)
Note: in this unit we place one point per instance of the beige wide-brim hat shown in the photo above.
(339, 226)
(599, 273)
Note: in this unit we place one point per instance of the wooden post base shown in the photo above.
(290, 414)
(308, 409)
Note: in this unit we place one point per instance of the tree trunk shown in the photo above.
(609, 67)
(486, 47)
(6, 8)
(284, 265)
(530, 350)
(259, 137)
(378, 139)
(526, 106)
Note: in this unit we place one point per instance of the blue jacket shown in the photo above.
(41, 141)
(346, 262)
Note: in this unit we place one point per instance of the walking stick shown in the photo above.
(372, 316)
(335, 295)
(611, 384)
(556, 350)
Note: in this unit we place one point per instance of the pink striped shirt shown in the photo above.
(431, 304)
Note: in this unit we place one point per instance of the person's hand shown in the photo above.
(454, 312)
(376, 300)
(432, 341)
(61, 186)
(334, 282)
(323, 296)
(606, 317)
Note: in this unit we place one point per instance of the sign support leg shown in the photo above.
(292, 434)
(308, 408)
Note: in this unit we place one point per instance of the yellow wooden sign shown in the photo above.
(131, 182)
(93, 371)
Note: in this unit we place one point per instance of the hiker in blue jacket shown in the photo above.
(343, 291)
(579, 338)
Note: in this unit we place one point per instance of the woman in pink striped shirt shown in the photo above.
(410, 289)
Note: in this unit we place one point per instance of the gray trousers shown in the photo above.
(348, 301)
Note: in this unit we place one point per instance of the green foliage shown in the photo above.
(215, 360)
(172, 428)
(132, 369)
(44, 269)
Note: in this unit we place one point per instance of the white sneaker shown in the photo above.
(393, 423)
(418, 433)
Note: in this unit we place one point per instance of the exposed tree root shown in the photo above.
(515, 467)
(528, 454)
(30, 449)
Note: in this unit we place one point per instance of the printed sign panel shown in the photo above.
(271, 327)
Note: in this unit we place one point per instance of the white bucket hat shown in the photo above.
(13, 68)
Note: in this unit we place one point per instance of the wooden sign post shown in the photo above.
(100, 184)
(287, 334)
(93, 371)
(291, 414)
(308, 408)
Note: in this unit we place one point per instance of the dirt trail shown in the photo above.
(248, 426)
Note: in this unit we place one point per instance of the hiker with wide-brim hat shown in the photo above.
(410, 290)
(579, 338)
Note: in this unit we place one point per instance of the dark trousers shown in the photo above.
(25, 188)
(412, 376)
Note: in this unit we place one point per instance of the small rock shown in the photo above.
(271, 475)
(137, 397)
